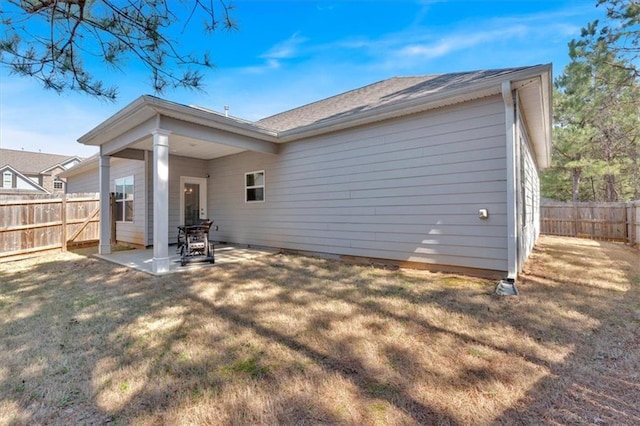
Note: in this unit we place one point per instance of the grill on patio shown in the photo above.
(194, 243)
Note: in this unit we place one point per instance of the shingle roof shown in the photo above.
(382, 93)
(30, 163)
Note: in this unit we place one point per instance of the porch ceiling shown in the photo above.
(190, 147)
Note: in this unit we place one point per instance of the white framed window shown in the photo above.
(254, 187)
(7, 179)
(58, 184)
(124, 199)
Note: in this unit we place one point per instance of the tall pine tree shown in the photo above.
(597, 115)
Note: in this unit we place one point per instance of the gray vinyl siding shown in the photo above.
(178, 166)
(131, 232)
(529, 199)
(405, 189)
(86, 181)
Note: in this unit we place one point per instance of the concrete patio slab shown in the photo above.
(142, 259)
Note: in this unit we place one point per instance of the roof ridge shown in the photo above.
(24, 151)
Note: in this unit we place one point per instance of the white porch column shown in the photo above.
(161, 260)
(105, 206)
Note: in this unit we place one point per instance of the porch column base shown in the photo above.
(160, 265)
(104, 249)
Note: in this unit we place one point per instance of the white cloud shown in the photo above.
(452, 43)
(268, 65)
(274, 57)
(288, 48)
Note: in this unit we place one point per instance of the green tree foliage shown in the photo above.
(597, 113)
(619, 33)
(52, 40)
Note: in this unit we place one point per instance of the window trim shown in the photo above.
(5, 174)
(248, 187)
(124, 200)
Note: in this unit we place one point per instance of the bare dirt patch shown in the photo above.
(294, 340)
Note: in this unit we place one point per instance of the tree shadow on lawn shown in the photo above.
(288, 339)
(59, 316)
(595, 308)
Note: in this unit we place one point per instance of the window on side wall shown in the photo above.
(58, 184)
(254, 187)
(124, 199)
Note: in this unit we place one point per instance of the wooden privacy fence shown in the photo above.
(39, 223)
(599, 221)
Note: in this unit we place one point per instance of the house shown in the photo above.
(437, 171)
(25, 172)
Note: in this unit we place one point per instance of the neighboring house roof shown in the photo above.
(33, 163)
(22, 177)
(386, 92)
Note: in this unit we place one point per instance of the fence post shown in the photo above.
(633, 235)
(576, 217)
(63, 218)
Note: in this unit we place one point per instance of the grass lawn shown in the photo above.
(296, 340)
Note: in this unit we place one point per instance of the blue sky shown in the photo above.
(289, 53)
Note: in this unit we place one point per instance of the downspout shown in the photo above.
(512, 231)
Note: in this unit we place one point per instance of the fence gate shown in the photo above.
(40, 223)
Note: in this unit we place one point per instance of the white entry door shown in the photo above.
(193, 200)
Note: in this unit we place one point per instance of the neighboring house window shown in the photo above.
(124, 199)
(58, 184)
(254, 186)
(7, 180)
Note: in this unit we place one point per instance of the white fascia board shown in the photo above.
(547, 104)
(146, 107)
(540, 132)
(93, 136)
(212, 119)
(384, 113)
(85, 165)
(487, 87)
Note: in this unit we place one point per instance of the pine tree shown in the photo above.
(51, 40)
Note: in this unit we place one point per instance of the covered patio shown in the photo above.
(149, 131)
(142, 259)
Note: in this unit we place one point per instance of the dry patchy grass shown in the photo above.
(297, 340)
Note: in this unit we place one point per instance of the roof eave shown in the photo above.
(541, 132)
(145, 107)
(384, 113)
(488, 87)
(81, 167)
